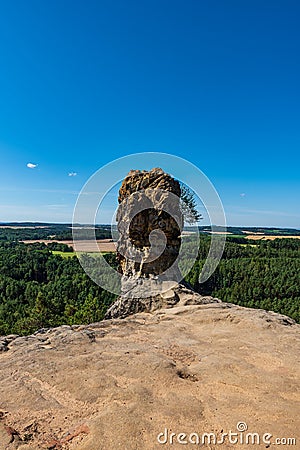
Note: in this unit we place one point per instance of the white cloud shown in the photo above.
(243, 195)
(72, 174)
(31, 165)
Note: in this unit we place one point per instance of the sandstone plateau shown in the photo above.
(194, 367)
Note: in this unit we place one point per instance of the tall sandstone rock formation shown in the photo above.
(149, 206)
(150, 223)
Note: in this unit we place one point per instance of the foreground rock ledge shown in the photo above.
(119, 383)
(179, 295)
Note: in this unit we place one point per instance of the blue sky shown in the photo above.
(85, 82)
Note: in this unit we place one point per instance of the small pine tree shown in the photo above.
(188, 205)
(89, 312)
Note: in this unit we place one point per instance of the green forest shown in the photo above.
(40, 289)
(257, 274)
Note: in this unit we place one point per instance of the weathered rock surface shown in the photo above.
(178, 295)
(119, 383)
(149, 224)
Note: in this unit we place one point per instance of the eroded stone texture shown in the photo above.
(149, 224)
(117, 384)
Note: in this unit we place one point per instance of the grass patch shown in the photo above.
(71, 254)
(63, 254)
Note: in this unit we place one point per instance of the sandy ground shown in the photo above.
(118, 384)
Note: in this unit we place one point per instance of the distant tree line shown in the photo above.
(56, 232)
(60, 247)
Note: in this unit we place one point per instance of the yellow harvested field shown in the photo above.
(267, 237)
(102, 245)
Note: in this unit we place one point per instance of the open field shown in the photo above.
(102, 245)
(64, 254)
(269, 237)
(71, 254)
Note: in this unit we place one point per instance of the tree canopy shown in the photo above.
(188, 205)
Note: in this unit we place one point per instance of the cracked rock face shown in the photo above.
(149, 224)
